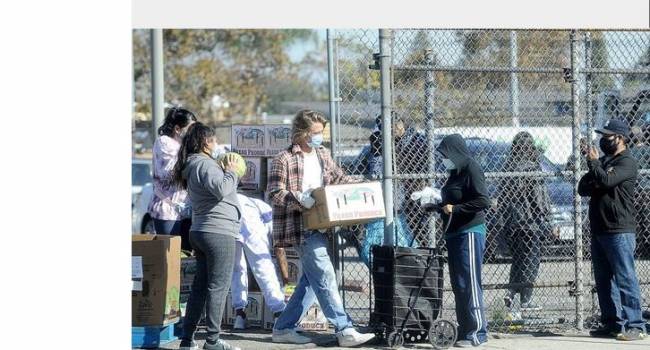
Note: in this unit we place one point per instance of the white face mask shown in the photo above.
(217, 151)
(449, 165)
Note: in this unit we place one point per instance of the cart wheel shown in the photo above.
(442, 334)
(395, 339)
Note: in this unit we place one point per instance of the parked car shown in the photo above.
(141, 174)
(141, 177)
(141, 220)
(642, 201)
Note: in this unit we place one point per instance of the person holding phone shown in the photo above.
(610, 184)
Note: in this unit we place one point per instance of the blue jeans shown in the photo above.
(317, 273)
(619, 296)
(175, 228)
(465, 255)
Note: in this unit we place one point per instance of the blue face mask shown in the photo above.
(316, 140)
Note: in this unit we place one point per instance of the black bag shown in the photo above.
(398, 273)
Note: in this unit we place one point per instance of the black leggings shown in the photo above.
(525, 246)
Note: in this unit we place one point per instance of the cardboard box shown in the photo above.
(295, 269)
(136, 273)
(344, 205)
(248, 140)
(254, 310)
(158, 301)
(313, 320)
(278, 138)
(251, 180)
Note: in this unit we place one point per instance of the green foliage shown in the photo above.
(243, 66)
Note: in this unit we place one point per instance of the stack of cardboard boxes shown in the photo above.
(162, 280)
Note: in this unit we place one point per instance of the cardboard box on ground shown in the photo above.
(344, 205)
(254, 310)
(156, 294)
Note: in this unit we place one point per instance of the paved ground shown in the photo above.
(258, 340)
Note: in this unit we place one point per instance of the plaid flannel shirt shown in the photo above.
(285, 187)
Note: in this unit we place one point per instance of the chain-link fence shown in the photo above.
(526, 101)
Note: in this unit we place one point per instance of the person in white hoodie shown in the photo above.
(254, 248)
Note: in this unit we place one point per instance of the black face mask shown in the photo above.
(608, 146)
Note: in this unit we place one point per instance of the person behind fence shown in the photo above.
(295, 172)
(525, 205)
(610, 184)
(170, 206)
(464, 202)
(212, 188)
(254, 247)
(411, 155)
(371, 164)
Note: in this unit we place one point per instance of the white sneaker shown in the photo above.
(350, 337)
(289, 336)
(240, 323)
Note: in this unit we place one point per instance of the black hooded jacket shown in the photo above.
(611, 183)
(465, 189)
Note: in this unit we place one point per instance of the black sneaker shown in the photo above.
(632, 334)
(507, 300)
(188, 345)
(604, 332)
(219, 345)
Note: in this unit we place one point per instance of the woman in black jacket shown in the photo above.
(464, 201)
(525, 208)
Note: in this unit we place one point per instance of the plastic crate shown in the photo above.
(152, 337)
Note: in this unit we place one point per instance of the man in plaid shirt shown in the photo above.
(295, 172)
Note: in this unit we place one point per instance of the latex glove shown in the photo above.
(306, 200)
(428, 195)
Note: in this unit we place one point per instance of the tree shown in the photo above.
(240, 65)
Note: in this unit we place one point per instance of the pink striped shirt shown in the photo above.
(167, 200)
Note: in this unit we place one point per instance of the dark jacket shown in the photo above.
(465, 188)
(411, 156)
(610, 183)
(524, 202)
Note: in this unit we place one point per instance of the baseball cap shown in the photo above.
(615, 127)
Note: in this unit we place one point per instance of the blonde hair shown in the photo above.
(302, 123)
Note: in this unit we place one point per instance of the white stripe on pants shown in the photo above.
(474, 283)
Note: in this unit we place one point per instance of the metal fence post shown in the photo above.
(577, 203)
(514, 80)
(385, 62)
(589, 87)
(332, 92)
(157, 80)
(429, 92)
(333, 138)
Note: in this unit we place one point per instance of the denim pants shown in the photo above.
(175, 228)
(465, 252)
(525, 246)
(619, 296)
(317, 273)
(215, 257)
